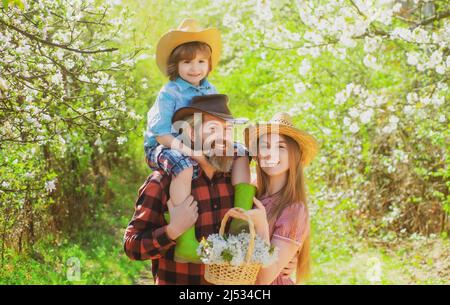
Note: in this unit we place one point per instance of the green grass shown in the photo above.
(411, 267)
(357, 267)
(101, 261)
(341, 257)
(98, 249)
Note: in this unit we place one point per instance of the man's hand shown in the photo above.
(182, 217)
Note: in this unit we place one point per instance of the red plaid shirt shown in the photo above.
(146, 238)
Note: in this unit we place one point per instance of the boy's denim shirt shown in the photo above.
(173, 96)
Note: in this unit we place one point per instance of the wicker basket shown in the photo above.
(227, 274)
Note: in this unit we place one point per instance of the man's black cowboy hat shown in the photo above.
(213, 104)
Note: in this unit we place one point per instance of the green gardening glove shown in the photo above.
(186, 247)
(243, 198)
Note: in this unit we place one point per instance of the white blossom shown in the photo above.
(347, 41)
(397, 7)
(401, 33)
(354, 128)
(440, 69)
(98, 141)
(299, 87)
(313, 37)
(420, 35)
(353, 112)
(412, 58)
(347, 121)
(5, 184)
(408, 109)
(217, 249)
(57, 78)
(370, 61)
(425, 100)
(412, 97)
(371, 44)
(50, 186)
(121, 140)
(389, 128)
(366, 116)
(437, 100)
(331, 114)
(435, 59)
(340, 98)
(304, 67)
(393, 119)
(3, 84)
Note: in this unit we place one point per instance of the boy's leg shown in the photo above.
(180, 186)
(151, 157)
(186, 246)
(240, 172)
(182, 169)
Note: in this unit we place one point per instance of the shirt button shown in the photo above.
(215, 206)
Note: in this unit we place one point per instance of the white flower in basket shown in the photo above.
(235, 259)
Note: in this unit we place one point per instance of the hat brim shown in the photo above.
(307, 143)
(186, 111)
(174, 38)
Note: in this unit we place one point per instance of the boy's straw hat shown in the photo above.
(282, 122)
(187, 31)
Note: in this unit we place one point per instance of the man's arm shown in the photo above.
(146, 235)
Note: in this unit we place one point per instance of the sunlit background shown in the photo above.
(369, 79)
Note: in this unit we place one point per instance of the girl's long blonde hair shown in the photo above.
(292, 193)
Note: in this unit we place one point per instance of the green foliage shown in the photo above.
(97, 247)
(18, 3)
(102, 261)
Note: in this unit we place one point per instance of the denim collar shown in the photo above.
(183, 85)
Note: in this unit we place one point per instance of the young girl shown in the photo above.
(281, 214)
(187, 55)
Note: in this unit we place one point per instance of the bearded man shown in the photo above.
(157, 223)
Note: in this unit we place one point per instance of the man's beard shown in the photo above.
(221, 163)
(221, 160)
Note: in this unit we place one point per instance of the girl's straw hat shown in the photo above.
(187, 31)
(281, 123)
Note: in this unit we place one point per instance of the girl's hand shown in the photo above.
(258, 215)
(290, 268)
(259, 218)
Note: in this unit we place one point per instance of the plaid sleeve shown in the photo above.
(146, 237)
